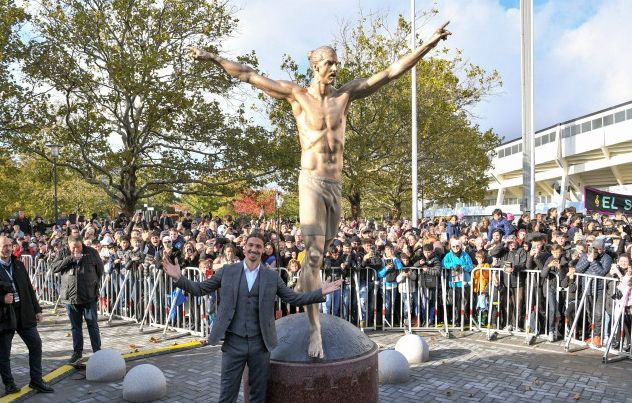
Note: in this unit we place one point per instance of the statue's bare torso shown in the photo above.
(321, 129)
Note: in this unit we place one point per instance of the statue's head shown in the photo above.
(324, 64)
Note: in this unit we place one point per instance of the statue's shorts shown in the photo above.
(319, 205)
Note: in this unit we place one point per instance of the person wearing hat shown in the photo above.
(596, 262)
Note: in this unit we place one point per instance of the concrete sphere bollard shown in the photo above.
(392, 367)
(414, 348)
(144, 383)
(105, 365)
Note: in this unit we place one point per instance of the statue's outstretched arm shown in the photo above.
(364, 87)
(275, 88)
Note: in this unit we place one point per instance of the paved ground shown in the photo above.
(463, 368)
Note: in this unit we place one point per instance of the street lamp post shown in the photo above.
(54, 152)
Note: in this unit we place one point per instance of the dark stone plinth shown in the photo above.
(347, 373)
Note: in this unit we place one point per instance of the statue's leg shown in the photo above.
(310, 273)
(319, 214)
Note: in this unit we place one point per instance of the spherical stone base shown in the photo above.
(393, 367)
(414, 348)
(349, 368)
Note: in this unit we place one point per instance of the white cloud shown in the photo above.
(589, 67)
(581, 57)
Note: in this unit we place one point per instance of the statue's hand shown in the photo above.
(197, 54)
(442, 33)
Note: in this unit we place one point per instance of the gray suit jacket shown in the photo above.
(271, 285)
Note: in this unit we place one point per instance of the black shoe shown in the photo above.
(75, 357)
(11, 389)
(41, 387)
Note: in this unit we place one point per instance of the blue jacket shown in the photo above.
(453, 230)
(503, 224)
(398, 265)
(450, 261)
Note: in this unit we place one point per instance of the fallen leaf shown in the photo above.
(132, 346)
(67, 334)
(577, 396)
(154, 339)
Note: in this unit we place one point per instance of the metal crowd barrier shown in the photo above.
(144, 294)
(355, 300)
(594, 313)
(408, 304)
(579, 308)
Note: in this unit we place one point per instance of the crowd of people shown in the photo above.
(383, 263)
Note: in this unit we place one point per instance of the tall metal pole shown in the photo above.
(528, 135)
(413, 92)
(55, 185)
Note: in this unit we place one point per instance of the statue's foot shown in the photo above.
(315, 348)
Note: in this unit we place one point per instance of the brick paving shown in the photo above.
(464, 368)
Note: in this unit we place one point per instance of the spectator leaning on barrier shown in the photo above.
(460, 265)
(429, 276)
(81, 269)
(552, 272)
(595, 262)
(513, 261)
(391, 266)
(407, 287)
(623, 296)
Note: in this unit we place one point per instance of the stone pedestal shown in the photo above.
(349, 371)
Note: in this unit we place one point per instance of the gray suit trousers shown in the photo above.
(237, 352)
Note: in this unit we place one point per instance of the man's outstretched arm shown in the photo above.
(278, 89)
(364, 87)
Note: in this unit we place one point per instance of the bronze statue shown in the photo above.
(320, 112)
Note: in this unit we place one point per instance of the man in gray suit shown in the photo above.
(246, 315)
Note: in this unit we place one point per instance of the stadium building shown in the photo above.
(593, 151)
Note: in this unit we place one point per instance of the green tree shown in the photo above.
(137, 119)
(11, 20)
(26, 183)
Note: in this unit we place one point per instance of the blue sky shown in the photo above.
(582, 58)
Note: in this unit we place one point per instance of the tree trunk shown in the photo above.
(354, 200)
(397, 210)
(129, 197)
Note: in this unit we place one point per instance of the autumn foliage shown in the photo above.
(251, 202)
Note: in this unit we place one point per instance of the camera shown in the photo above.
(388, 261)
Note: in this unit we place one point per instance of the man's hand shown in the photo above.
(328, 287)
(172, 270)
(39, 317)
(8, 298)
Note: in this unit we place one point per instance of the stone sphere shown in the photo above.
(414, 348)
(392, 367)
(144, 383)
(105, 365)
